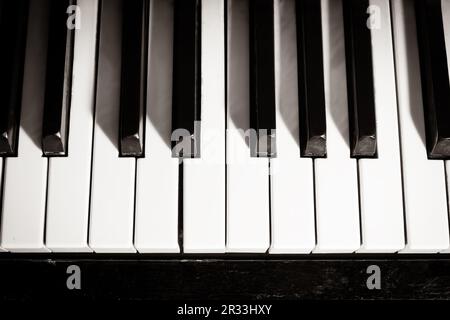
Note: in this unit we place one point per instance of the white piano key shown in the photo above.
(156, 225)
(1, 194)
(25, 180)
(423, 180)
(204, 178)
(337, 211)
(69, 177)
(445, 4)
(292, 189)
(247, 177)
(380, 179)
(203, 207)
(113, 178)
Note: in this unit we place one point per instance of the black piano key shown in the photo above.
(360, 86)
(311, 93)
(434, 76)
(13, 30)
(186, 99)
(134, 77)
(262, 75)
(58, 82)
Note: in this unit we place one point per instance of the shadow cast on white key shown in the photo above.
(160, 68)
(338, 89)
(414, 82)
(34, 84)
(108, 80)
(288, 76)
(238, 66)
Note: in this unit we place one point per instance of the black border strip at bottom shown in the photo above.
(230, 277)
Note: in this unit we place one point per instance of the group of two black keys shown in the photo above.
(186, 93)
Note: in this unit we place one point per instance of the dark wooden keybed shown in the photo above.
(224, 277)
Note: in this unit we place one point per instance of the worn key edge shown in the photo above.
(365, 147)
(53, 145)
(315, 147)
(131, 146)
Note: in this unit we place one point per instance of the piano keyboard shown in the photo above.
(225, 126)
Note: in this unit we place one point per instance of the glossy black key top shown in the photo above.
(311, 93)
(360, 85)
(186, 99)
(134, 77)
(435, 77)
(13, 30)
(262, 75)
(58, 83)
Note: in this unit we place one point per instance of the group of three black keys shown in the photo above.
(186, 102)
